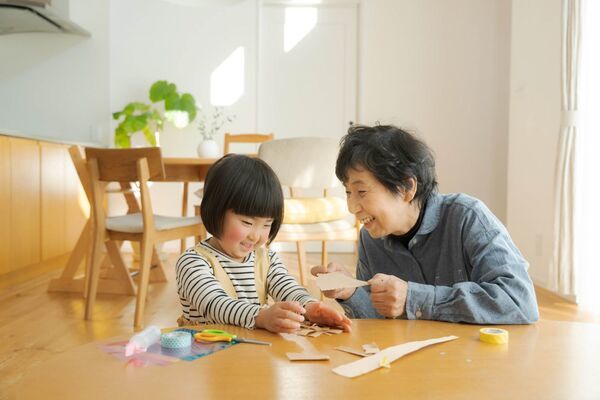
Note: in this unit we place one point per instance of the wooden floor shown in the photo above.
(35, 325)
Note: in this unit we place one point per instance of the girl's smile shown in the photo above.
(241, 235)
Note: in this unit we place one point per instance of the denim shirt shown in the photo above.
(461, 266)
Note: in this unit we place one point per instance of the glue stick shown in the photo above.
(142, 340)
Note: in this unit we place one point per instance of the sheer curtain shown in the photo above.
(588, 197)
(563, 266)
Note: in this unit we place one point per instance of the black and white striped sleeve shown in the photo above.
(199, 287)
(282, 286)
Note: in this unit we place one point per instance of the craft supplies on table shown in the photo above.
(142, 340)
(493, 335)
(217, 335)
(176, 340)
(156, 354)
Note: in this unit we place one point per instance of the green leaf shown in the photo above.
(150, 137)
(172, 102)
(133, 123)
(122, 138)
(188, 103)
(160, 90)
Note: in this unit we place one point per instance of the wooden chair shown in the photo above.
(130, 165)
(307, 164)
(245, 138)
(116, 278)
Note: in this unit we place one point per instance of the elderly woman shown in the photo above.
(426, 255)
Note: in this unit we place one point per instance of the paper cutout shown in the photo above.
(384, 363)
(314, 330)
(307, 357)
(391, 354)
(370, 348)
(351, 351)
(337, 280)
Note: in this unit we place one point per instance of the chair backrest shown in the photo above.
(303, 162)
(245, 138)
(120, 165)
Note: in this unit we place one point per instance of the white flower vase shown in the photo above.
(208, 149)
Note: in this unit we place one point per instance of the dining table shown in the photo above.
(544, 360)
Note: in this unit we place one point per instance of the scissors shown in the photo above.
(217, 335)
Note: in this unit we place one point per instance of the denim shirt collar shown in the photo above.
(431, 219)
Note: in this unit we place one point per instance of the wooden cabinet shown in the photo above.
(42, 208)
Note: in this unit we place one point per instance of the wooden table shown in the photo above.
(547, 360)
(187, 169)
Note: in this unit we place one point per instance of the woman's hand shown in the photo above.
(322, 314)
(341, 294)
(388, 295)
(284, 316)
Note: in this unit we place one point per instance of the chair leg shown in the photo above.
(145, 260)
(157, 272)
(301, 262)
(184, 205)
(324, 253)
(93, 275)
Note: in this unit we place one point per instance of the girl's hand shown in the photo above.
(284, 316)
(341, 294)
(322, 314)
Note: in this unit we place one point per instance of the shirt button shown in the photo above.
(418, 314)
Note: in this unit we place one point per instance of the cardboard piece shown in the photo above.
(314, 330)
(337, 280)
(350, 350)
(385, 357)
(370, 348)
(307, 357)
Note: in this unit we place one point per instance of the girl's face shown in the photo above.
(380, 211)
(242, 234)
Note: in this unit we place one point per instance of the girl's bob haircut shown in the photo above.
(244, 185)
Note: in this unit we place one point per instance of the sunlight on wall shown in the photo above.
(227, 80)
(587, 239)
(299, 21)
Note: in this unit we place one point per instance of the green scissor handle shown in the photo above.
(219, 332)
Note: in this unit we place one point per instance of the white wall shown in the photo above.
(56, 85)
(441, 69)
(534, 129)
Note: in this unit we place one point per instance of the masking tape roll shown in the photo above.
(176, 340)
(493, 335)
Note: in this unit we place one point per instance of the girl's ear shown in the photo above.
(409, 194)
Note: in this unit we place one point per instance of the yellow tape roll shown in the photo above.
(493, 335)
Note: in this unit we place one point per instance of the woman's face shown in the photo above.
(380, 211)
(242, 234)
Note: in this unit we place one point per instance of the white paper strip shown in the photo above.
(337, 280)
(371, 363)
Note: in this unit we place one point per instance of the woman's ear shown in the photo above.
(409, 194)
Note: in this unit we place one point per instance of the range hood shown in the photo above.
(23, 16)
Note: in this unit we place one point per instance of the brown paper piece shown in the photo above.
(350, 350)
(370, 348)
(307, 357)
(337, 280)
(385, 357)
(314, 330)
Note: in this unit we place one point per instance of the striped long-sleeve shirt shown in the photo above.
(203, 299)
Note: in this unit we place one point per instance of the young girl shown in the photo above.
(226, 279)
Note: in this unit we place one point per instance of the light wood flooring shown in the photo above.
(35, 325)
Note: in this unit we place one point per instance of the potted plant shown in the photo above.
(179, 109)
(208, 127)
